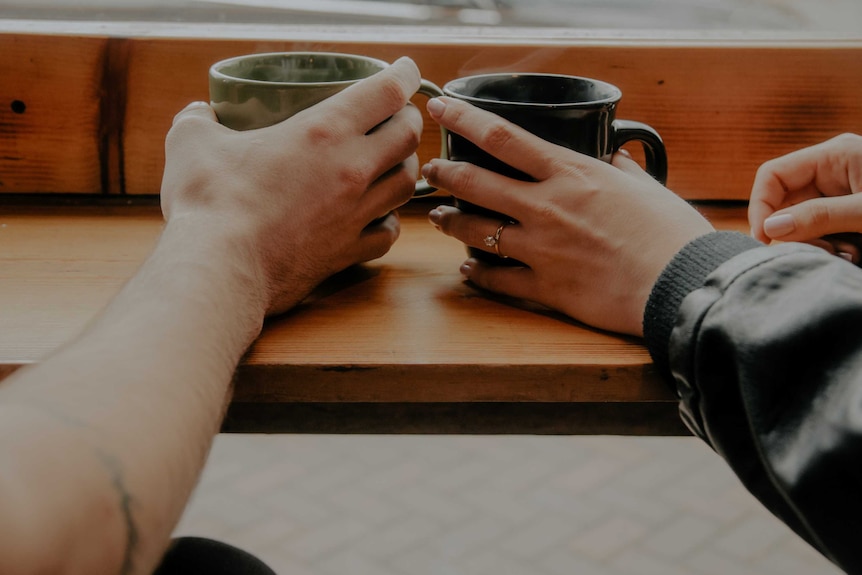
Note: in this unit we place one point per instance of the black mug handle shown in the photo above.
(655, 154)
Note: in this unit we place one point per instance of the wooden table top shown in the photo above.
(399, 345)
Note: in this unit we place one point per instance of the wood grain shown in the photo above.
(402, 330)
(96, 118)
(51, 96)
(722, 110)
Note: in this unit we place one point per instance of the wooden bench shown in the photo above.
(400, 345)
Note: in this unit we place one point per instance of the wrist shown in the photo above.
(218, 253)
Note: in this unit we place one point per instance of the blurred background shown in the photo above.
(808, 15)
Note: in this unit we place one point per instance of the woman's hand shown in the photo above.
(812, 195)
(298, 197)
(594, 236)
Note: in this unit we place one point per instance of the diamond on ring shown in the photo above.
(490, 241)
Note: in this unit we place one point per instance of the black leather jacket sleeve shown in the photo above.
(764, 346)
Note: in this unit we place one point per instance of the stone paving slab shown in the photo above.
(505, 505)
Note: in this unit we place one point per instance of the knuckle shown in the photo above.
(445, 223)
(318, 134)
(413, 135)
(575, 170)
(496, 135)
(353, 176)
(187, 126)
(766, 168)
(818, 216)
(393, 93)
(547, 212)
(405, 183)
(454, 114)
(462, 177)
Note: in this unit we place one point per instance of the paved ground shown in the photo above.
(455, 505)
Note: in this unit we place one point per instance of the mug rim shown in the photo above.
(217, 74)
(614, 97)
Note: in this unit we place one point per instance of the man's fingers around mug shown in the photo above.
(377, 238)
(479, 231)
(371, 101)
(391, 190)
(395, 140)
(200, 110)
(195, 118)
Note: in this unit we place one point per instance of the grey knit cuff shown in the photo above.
(686, 272)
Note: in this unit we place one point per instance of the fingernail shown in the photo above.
(435, 216)
(436, 107)
(624, 153)
(777, 226)
(846, 256)
(426, 170)
(466, 268)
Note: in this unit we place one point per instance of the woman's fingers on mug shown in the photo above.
(477, 185)
(479, 231)
(815, 218)
(502, 139)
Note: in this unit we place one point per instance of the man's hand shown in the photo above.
(299, 196)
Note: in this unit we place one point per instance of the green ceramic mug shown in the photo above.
(258, 90)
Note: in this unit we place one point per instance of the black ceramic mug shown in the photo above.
(574, 112)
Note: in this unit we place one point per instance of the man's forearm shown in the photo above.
(115, 427)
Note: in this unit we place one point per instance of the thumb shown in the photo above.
(200, 110)
(816, 218)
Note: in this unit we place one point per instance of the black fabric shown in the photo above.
(766, 356)
(200, 556)
(685, 273)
